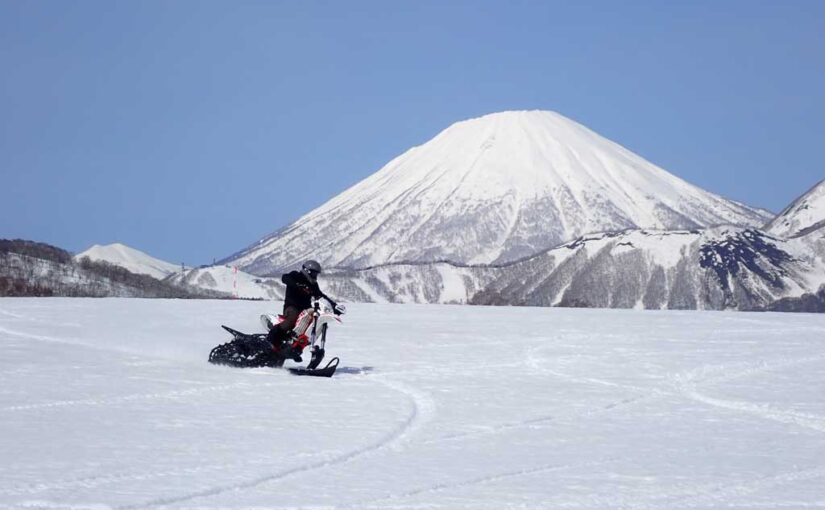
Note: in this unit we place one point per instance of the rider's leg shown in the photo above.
(281, 335)
(303, 322)
(280, 331)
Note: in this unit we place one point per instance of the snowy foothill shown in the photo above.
(220, 278)
(134, 260)
(229, 280)
(110, 403)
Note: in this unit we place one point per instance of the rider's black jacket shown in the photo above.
(299, 290)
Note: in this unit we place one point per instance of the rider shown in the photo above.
(301, 288)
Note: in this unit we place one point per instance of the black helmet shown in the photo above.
(311, 269)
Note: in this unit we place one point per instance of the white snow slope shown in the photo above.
(803, 216)
(233, 282)
(493, 189)
(220, 278)
(134, 260)
(108, 403)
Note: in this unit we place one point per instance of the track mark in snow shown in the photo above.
(51, 505)
(538, 421)
(422, 410)
(722, 493)
(688, 387)
(11, 314)
(167, 395)
(74, 342)
(779, 504)
(721, 373)
(42, 338)
(496, 477)
(806, 420)
(90, 482)
(533, 362)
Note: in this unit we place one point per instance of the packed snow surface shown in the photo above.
(109, 403)
(134, 260)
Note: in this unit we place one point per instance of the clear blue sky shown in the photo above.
(190, 129)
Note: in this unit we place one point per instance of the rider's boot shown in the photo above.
(275, 336)
(288, 348)
(282, 341)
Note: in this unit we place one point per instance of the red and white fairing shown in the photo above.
(307, 333)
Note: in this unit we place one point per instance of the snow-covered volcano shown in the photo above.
(492, 190)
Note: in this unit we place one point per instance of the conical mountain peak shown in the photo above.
(491, 190)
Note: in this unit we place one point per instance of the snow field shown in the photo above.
(110, 403)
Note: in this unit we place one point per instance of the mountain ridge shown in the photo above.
(804, 215)
(716, 268)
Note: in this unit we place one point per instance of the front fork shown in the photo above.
(318, 341)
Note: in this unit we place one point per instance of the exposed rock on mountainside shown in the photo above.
(715, 269)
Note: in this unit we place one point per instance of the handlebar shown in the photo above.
(337, 309)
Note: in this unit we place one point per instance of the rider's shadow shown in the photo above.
(355, 370)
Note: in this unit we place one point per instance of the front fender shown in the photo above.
(328, 319)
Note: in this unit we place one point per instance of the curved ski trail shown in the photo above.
(422, 409)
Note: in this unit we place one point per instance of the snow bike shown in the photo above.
(254, 350)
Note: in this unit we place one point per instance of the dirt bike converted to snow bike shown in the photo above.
(254, 350)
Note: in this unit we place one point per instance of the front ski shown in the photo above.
(327, 371)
